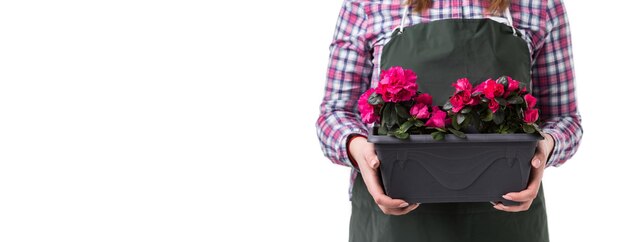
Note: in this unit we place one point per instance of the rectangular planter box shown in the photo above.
(480, 168)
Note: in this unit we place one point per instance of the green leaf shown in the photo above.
(515, 100)
(382, 130)
(528, 128)
(401, 135)
(487, 116)
(501, 101)
(375, 99)
(460, 118)
(406, 126)
(458, 133)
(447, 106)
(387, 115)
(418, 123)
(498, 117)
(536, 127)
(402, 112)
(393, 119)
(466, 110)
(455, 124)
(437, 135)
(441, 130)
(504, 81)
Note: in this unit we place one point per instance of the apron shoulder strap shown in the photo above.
(405, 12)
(509, 17)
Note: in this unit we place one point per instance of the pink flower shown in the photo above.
(531, 115)
(513, 84)
(368, 115)
(424, 98)
(437, 119)
(397, 84)
(420, 111)
(459, 100)
(530, 100)
(523, 90)
(493, 89)
(479, 88)
(462, 84)
(493, 105)
(462, 99)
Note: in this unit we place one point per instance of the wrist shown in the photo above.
(550, 144)
(350, 147)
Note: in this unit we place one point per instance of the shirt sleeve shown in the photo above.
(348, 76)
(554, 86)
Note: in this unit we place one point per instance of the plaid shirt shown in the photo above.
(364, 26)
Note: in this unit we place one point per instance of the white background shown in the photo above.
(195, 121)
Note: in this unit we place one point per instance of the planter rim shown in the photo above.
(450, 138)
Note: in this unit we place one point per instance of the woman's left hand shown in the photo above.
(526, 197)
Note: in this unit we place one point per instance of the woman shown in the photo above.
(541, 50)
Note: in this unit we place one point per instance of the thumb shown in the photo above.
(371, 159)
(536, 162)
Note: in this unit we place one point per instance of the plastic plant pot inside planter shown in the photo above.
(479, 168)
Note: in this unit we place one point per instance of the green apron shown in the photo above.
(440, 52)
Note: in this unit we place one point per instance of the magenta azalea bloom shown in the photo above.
(523, 90)
(531, 115)
(397, 84)
(437, 119)
(493, 89)
(462, 84)
(493, 105)
(530, 100)
(424, 98)
(368, 115)
(463, 95)
(513, 85)
(459, 100)
(420, 111)
(479, 88)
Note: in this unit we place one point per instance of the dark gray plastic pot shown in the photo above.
(480, 168)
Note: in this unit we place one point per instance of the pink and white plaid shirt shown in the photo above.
(364, 26)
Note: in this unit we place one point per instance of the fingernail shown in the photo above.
(507, 197)
(404, 205)
(492, 203)
(536, 163)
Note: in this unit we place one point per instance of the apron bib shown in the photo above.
(440, 52)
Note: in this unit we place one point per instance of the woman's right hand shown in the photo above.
(364, 154)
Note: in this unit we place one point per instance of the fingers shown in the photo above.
(387, 202)
(529, 194)
(519, 208)
(398, 211)
(523, 196)
(370, 177)
(531, 191)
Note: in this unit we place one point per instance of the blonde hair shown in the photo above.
(497, 6)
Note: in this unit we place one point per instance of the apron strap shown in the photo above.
(507, 12)
(405, 12)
